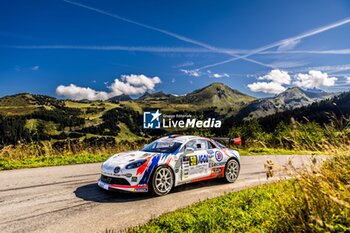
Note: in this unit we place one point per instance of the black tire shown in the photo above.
(232, 169)
(162, 181)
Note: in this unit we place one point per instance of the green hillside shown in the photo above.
(290, 99)
(27, 117)
(225, 99)
(23, 104)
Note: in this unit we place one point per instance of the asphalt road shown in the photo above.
(67, 198)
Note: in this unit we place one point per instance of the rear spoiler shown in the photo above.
(236, 141)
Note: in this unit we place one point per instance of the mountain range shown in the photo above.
(121, 116)
(218, 97)
(290, 99)
(232, 102)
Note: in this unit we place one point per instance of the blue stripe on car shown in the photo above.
(165, 155)
(177, 151)
(150, 168)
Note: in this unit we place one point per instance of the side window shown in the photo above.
(211, 145)
(189, 145)
(196, 145)
(201, 144)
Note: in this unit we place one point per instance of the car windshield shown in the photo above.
(162, 146)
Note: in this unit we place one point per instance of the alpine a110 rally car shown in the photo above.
(168, 162)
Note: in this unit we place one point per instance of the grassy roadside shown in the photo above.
(8, 162)
(278, 151)
(317, 201)
(41, 155)
(251, 210)
(27, 158)
(44, 161)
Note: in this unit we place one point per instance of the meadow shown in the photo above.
(295, 138)
(317, 200)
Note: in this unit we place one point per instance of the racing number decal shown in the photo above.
(193, 160)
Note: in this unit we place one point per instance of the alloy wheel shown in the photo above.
(163, 181)
(232, 170)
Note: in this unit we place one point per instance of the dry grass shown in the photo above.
(320, 200)
(317, 200)
(37, 154)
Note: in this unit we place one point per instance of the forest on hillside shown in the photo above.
(66, 132)
(69, 123)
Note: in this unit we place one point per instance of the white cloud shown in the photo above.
(209, 73)
(173, 80)
(348, 80)
(288, 44)
(79, 93)
(133, 84)
(192, 73)
(35, 68)
(266, 87)
(277, 76)
(314, 79)
(127, 84)
(218, 75)
(278, 79)
(251, 75)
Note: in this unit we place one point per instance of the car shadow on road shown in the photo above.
(91, 192)
(200, 184)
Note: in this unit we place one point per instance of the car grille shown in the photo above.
(113, 180)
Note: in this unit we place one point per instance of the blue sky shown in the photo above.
(106, 48)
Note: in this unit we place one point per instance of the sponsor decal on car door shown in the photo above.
(195, 164)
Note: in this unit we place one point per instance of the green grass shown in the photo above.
(33, 156)
(17, 110)
(251, 210)
(317, 201)
(277, 151)
(46, 154)
(44, 161)
(126, 133)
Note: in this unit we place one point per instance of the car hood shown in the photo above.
(122, 159)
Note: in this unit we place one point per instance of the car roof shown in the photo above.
(180, 138)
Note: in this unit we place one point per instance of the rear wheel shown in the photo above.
(232, 170)
(162, 181)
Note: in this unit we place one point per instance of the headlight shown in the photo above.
(135, 164)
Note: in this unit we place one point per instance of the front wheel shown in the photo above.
(232, 170)
(162, 181)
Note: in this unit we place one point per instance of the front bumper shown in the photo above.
(126, 188)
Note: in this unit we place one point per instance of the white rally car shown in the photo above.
(167, 162)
